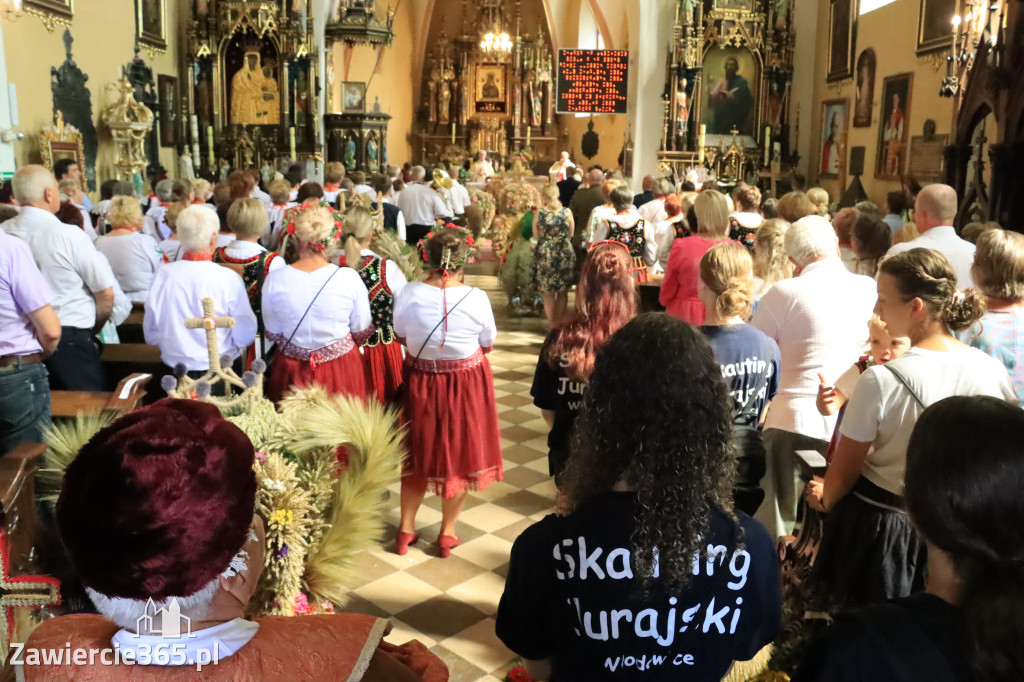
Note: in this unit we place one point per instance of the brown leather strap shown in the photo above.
(9, 360)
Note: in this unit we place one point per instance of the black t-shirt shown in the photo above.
(750, 362)
(553, 390)
(914, 639)
(570, 596)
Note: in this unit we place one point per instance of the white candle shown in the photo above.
(291, 141)
(700, 144)
(209, 145)
(453, 133)
(528, 131)
(767, 143)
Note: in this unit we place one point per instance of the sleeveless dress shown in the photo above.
(382, 352)
(634, 239)
(554, 261)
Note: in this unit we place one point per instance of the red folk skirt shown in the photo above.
(383, 370)
(453, 437)
(339, 368)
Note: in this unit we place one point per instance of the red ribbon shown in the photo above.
(315, 360)
(444, 298)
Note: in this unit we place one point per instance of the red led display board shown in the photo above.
(592, 81)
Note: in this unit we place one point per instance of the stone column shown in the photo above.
(650, 35)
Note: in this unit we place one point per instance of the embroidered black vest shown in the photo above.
(253, 271)
(632, 237)
(373, 272)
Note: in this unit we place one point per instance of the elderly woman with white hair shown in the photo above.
(178, 291)
(819, 319)
(134, 257)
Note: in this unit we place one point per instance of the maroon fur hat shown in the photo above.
(159, 502)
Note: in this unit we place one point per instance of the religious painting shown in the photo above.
(832, 155)
(167, 87)
(353, 97)
(490, 90)
(842, 17)
(252, 70)
(202, 82)
(731, 75)
(865, 99)
(299, 88)
(63, 9)
(733, 5)
(151, 23)
(892, 128)
(935, 25)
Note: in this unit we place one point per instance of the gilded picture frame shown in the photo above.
(934, 25)
(353, 97)
(490, 89)
(61, 141)
(835, 119)
(52, 12)
(893, 132)
(151, 23)
(842, 39)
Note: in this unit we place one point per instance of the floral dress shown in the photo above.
(554, 261)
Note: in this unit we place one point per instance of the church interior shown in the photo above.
(495, 123)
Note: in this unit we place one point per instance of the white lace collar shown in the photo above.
(218, 642)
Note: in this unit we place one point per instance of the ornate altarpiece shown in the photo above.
(727, 92)
(476, 101)
(254, 83)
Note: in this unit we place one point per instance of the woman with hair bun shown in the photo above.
(606, 299)
(316, 313)
(448, 398)
(869, 549)
(749, 359)
(647, 567)
(384, 280)
(965, 470)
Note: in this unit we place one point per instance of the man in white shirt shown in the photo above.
(178, 291)
(934, 212)
(81, 279)
(460, 198)
(819, 319)
(359, 185)
(654, 210)
(421, 206)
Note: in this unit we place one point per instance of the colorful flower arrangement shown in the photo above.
(289, 247)
(466, 235)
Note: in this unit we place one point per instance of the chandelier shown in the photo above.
(496, 44)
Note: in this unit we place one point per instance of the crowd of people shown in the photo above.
(881, 339)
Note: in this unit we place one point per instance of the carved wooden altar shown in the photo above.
(474, 100)
(727, 90)
(359, 141)
(254, 83)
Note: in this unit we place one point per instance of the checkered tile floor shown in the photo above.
(450, 604)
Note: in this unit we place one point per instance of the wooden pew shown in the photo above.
(129, 394)
(130, 330)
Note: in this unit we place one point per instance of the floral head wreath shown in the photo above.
(447, 262)
(321, 246)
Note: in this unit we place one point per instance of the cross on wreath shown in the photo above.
(211, 323)
(21, 592)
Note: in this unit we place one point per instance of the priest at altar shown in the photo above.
(157, 513)
(560, 169)
(481, 168)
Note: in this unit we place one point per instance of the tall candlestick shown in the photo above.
(453, 133)
(291, 141)
(209, 145)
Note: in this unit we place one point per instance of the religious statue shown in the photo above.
(186, 169)
(254, 95)
(371, 152)
(267, 173)
(301, 100)
(536, 105)
(204, 99)
(350, 155)
(682, 109)
(444, 111)
(225, 169)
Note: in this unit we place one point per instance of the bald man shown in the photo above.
(934, 212)
(648, 193)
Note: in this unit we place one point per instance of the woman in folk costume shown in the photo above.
(384, 280)
(158, 511)
(628, 227)
(316, 313)
(448, 398)
(247, 219)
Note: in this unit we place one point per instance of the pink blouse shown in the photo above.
(679, 289)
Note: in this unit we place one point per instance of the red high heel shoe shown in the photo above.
(403, 540)
(446, 543)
